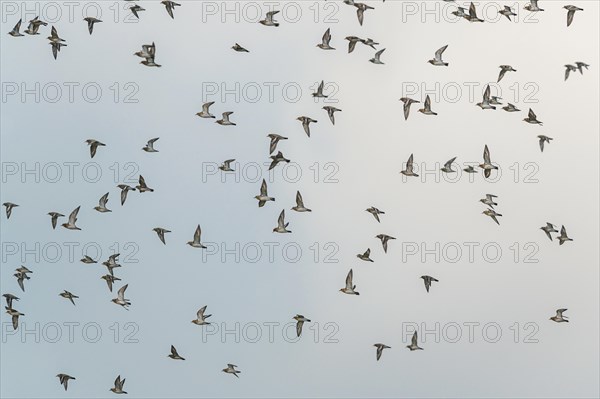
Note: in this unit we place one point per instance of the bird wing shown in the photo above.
(299, 201)
(438, 54)
(197, 234)
(486, 154)
(349, 279)
(263, 188)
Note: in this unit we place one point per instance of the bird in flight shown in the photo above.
(149, 147)
(300, 204)
(562, 238)
(408, 171)
(437, 59)
(263, 197)
(9, 208)
(94, 144)
(68, 295)
(195, 243)
(413, 343)
(549, 228)
(380, 348)
(72, 219)
(487, 163)
(350, 287)
(281, 224)
(571, 13)
(503, 70)
(559, 318)
(200, 319)
(174, 355)
(231, 370)
(300, 320)
(64, 380)
(90, 23)
(118, 388)
(427, 280)
(324, 45)
(384, 240)
(161, 233)
(120, 299)
(544, 139)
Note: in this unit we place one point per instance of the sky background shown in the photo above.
(343, 170)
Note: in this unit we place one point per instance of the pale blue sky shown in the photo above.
(367, 147)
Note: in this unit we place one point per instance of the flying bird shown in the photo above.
(54, 218)
(275, 138)
(281, 224)
(365, 256)
(226, 167)
(9, 300)
(437, 60)
(15, 31)
(503, 70)
(170, 6)
(407, 103)
(427, 280)
(300, 204)
(510, 108)
(544, 139)
(72, 219)
(319, 92)
(569, 68)
(380, 348)
(413, 343)
(384, 240)
(90, 23)
(110, 279)
(507, 12)
(161, 233)
(485, 104)
(306, 121)
(135, 9)
(142, 187)
(532, 6)
(87, 260)
(205, 112)
(102, 204)
(94, 144)
(231, 370)
(549, 228)
(324, 45)
(224, 121)
(532, 118)
(14, 316)
(350, 287)
(9, 208)
(300, 320)
(447, 168)
(174, 355)
(269, 20)
(64, 380)
(571, 13)
(375, 212)
(330, 112)
(239, 48)
(489, 200)
(487, 163)
(559, 318)
(408, 171)
(196, 241)
(263, 197)
(492, 213)
(201, 317)
(360, 11)
(276, 159)
(149, 147)
(118, 388)
(124, 190)
(376, 60)
(68, 295)
(426, 110)
(111, 263)
(120, 299)
(562, 238)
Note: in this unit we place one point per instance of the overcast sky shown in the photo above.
(484, 326)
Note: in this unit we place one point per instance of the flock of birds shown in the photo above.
(148, 53)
